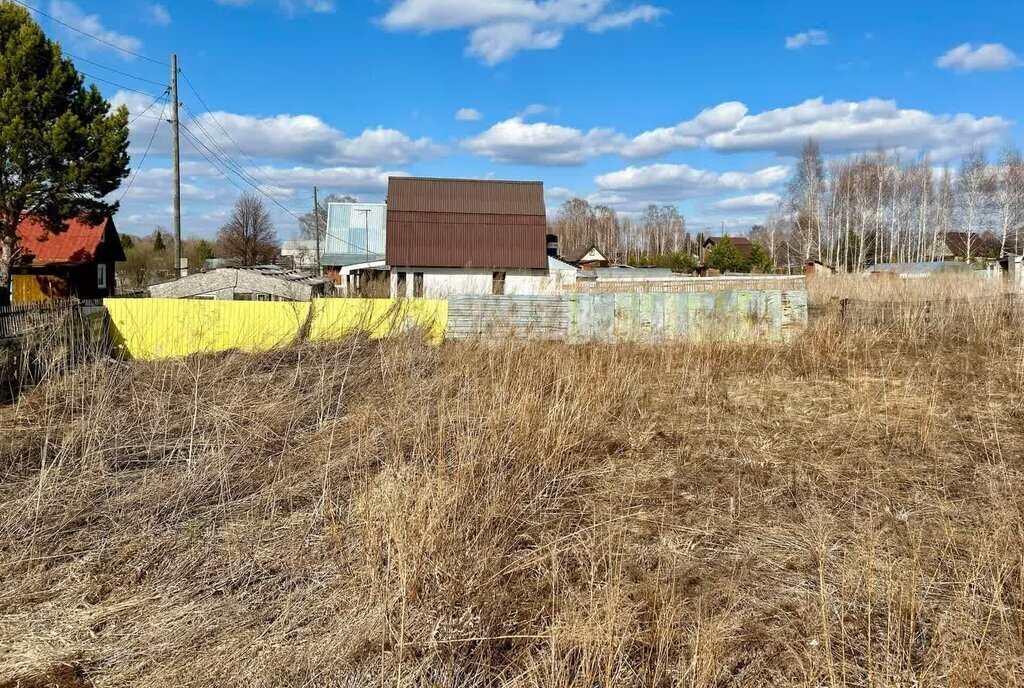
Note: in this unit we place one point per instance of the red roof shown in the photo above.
(77, 244)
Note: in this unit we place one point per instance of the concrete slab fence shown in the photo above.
(149, 329)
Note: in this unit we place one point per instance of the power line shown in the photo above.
(121, 86)
(157, 99)
(195, 140)
(227, 157)
(115, 71)
(250, 180)
(190, 136)
(216, 121)
(89, 35)
(143, 161)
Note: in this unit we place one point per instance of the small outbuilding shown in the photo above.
(76, 261)
(299, 254)
(815, 268)
(259, 283)
(587, 258)
(743, 245)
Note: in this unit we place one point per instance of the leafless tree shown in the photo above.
(248, 235)
(976, 185)
(1010, 198)
(805, 195)
(658, 231)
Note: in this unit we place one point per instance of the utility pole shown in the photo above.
(316, 229)
(177, 166)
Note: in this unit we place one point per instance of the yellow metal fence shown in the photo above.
(147, 329)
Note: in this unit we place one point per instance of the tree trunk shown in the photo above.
(6, 256)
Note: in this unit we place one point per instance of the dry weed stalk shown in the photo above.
(842, 510)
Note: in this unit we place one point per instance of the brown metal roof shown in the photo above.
(462, 223)
(465, 196)
(577, 255)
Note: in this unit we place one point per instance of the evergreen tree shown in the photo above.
(725, 257)
(62, 150)
(760, 261)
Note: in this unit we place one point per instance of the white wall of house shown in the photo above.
(440, 283)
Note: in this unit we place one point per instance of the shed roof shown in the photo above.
(270, 279)
(734, 240)
(577, 255)
(37, 246)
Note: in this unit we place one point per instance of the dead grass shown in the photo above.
(845, 510)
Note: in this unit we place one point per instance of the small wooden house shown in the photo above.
(77, 261)
(587, 258)
(743, 245)
(815, 268)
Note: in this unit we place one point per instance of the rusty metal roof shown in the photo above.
(458, 223)
(433, 195)
(75, 244)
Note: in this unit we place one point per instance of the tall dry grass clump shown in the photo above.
(842, 510)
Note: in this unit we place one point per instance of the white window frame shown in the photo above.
(101, 275)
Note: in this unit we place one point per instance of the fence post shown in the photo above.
(843, 304)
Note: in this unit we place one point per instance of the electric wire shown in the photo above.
(146, 153)
(89, 35)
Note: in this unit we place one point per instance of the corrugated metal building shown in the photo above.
(462, 223)
(463, 236)
(355, 234)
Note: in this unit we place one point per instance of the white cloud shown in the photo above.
(635, 187)
(688, 134)
(990, 57)
(208, 196)
(625, 19)
(290, 7)
(70, 13)
(159, 15)
(843, 127)
(806, 39)
(308, 138)
(294, 138)
(683, 181)
(541, 143)
(496, 43)
(558, 193)
(759, 201)
(499, 29)
(468, 115)
(839, 126)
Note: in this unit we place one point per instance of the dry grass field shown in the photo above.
(844, 510)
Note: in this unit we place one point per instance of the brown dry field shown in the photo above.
(841, 510)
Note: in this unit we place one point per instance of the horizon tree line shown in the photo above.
(880, 208)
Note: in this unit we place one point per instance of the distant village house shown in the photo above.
(299, 254)
(354, 248)
(587, 258)
(743, 246)
(458, 236)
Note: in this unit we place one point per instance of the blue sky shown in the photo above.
(702, 105)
